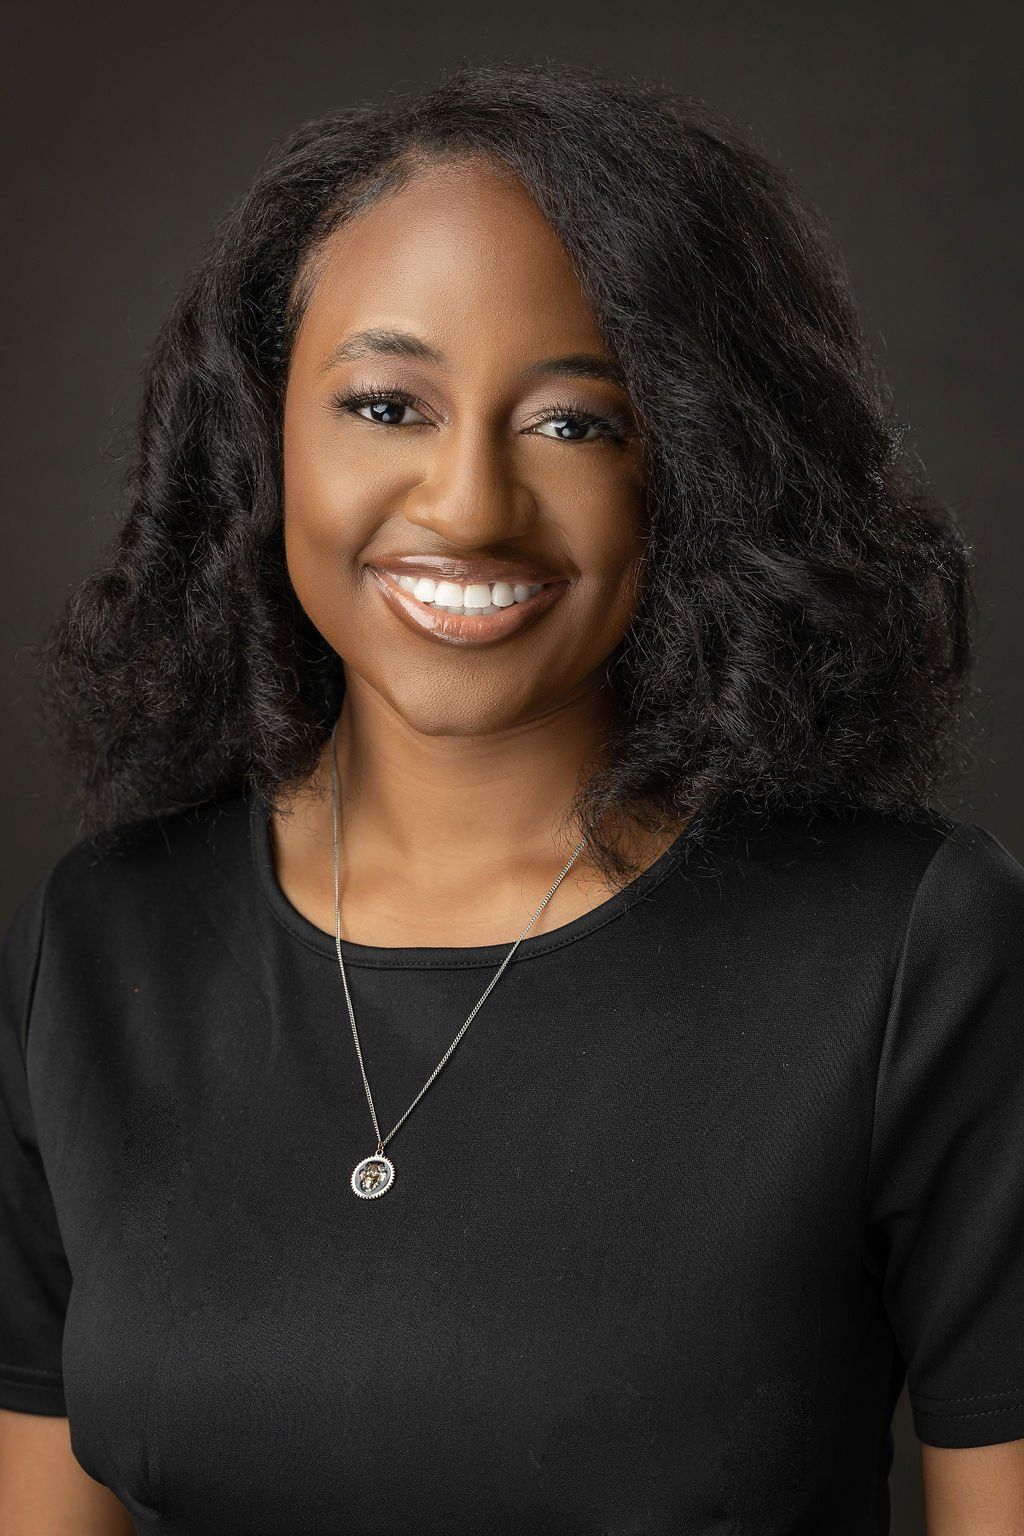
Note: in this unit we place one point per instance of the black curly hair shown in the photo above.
(803, 640)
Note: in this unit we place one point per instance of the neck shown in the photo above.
(455, 809)
(447, 839)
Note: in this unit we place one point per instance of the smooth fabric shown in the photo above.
(714, 1165)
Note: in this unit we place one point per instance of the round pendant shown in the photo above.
(373, 1176)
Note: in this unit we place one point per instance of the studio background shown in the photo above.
(128, 131)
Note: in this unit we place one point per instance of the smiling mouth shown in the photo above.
(465, 628)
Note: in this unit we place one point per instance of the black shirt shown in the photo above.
(713, 1165)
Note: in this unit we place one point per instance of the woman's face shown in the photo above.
(486, 457)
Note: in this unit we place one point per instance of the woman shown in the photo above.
(521, 612)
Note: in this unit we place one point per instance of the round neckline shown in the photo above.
(432, 957)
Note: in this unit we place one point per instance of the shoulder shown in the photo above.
(152, 867)
(955, 891)
(159, 858)
(857, 841)
(860, 867)
(839, 847)
(968, 907)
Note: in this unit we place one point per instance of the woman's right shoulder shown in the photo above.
(147, 864)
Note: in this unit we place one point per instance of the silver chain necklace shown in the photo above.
(374, 1175)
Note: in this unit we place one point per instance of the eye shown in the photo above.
(573, 423)
(380, 407)
(570, 423)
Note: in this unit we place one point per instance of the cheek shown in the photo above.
(326, 497)
(605, 527)
(338, 493)
(330, 512)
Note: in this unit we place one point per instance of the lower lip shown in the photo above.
(465, 629)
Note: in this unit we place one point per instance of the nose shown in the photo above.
(470, 494)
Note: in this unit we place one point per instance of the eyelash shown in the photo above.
(562, 410)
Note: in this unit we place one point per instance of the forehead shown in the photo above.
(462, 255)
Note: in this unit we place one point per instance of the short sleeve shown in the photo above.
(35, 1280)
(945, 1192)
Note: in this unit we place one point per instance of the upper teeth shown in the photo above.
(473, 597)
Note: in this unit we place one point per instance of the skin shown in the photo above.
(434, 737)
(974, 1492)
(43, 1490)
(455, 764)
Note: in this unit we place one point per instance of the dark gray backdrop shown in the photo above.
(129, 129)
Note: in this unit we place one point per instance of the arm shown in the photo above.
(976, 1491)
(946, 1230)
(43, 1490)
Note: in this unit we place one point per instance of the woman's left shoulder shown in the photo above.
(939, 855)
(960, 866)
(971, 894)
(902, 880)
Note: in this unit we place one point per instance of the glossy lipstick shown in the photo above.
(464, 629)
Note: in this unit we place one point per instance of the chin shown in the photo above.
(452, 711)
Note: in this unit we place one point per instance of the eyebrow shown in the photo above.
(381, 342)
